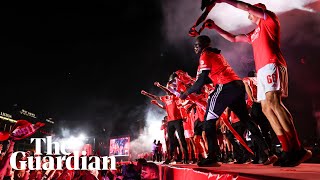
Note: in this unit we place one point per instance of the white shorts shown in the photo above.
(272, 77)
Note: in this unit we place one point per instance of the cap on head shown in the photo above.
(260, 5)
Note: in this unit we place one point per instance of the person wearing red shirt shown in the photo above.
(188, 120)
(165, 135)
(199, 133)
(272, 76)
(177, 150)
(175, 122)
(179, 82)
(229, 92)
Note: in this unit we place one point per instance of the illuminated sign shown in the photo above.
(6, 115)
(27, 113)
(49, 121)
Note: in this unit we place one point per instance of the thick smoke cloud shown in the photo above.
(180, 15)
(151, 131)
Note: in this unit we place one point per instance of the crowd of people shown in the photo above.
(157, 151)
(139, 169)
(199, 108)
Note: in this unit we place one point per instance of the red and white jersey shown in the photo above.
(252, 83)
(171, 105)
(187, 123)
(200, 113)
(265, 40)
(185, 77)
(220, 71)
(185, 104)
(183, 108)
(199, 99)
(192, 117)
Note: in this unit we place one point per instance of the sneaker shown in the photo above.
(230, 160)
(186, 161)
(300, 157)
(242, 160)
(208, 162)
(200, 157)
(283, 159)
(194, 161)
(256, 161)
(167, 161)
(178, 162)
(271, 159)
(248, 161)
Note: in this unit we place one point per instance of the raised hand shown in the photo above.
(143, 92)
(193, 32)
(156, 84)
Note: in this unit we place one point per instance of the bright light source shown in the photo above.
(82, 136)
(73, 143)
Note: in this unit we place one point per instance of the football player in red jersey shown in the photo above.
(229, 92)
(272, 76)
(188, 120)
(175, 122)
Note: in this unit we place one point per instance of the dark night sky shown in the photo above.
(80, 62)
(85, 66)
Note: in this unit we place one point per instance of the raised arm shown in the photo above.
(225, 34)
(162, 87)
(207, 5)
(168, 90)
(197, 85)
(150, 95)
(155, 102)
(207, 8)
(256, 11)
(6, 159)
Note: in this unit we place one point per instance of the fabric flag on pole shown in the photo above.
(22, 129)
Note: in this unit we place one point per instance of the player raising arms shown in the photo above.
(272, 76)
